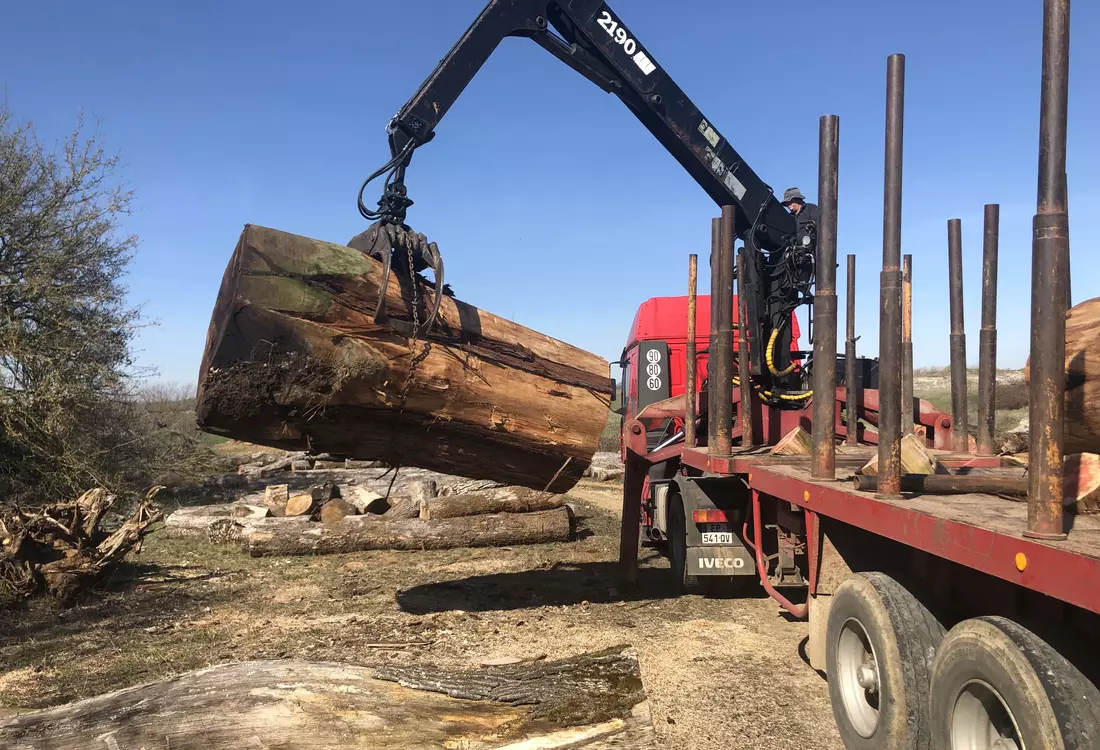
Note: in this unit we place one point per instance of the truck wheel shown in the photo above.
(880, 643)
(682, 581)
(998, 686)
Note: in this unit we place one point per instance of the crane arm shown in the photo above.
(591, 39)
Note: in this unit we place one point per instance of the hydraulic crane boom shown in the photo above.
(592, 40)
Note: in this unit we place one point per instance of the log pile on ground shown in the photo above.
(64, 548)
(329, 518)
(295, 359)
(606, 467)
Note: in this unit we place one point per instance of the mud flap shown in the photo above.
(720, 561)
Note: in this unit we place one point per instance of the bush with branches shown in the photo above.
(71, 416)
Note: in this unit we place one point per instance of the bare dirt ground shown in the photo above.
(719, 673)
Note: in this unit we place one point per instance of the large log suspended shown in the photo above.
(295, 360)
(1082, 416)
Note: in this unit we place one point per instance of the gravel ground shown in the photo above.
(719, 673)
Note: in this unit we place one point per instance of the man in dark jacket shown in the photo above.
(805, 213)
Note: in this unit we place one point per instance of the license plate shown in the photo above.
(714, 528)
(717, 537)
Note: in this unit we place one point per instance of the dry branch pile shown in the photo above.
(63, 548)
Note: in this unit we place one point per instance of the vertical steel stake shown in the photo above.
(712, 390)
(721, 343)
(890, 364)
(1049, 257)
(689, 355)
(960, 429)
(744, 362)
(851, 383)
(906, 344)
(823, 464)
(987, 342)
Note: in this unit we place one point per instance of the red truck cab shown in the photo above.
(654, 361)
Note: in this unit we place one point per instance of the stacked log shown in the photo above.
(294, 359)
(329, 518)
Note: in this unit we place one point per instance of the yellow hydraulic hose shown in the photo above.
(768, 356)
(765, 395)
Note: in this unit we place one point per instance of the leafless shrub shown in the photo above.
(69, 415)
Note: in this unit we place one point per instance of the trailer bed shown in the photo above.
(984, 532)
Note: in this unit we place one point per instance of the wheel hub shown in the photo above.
(867, 677)
(858, 674)
(981, 720)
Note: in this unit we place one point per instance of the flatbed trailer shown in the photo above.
(962, 621)
(960, 560)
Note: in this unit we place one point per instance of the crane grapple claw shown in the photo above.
(410, 251)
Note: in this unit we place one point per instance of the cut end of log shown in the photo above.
(301, 505)
(336, 510)
(797, 442)
(1081, 483)
(915, 459)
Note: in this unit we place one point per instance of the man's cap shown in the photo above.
(793, 194)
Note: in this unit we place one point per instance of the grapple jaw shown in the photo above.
(409, 253)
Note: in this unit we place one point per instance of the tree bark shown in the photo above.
(1082, 417)
(502, 500)
(217, 523)
(358, 533)
(294, 705)
(294, 360)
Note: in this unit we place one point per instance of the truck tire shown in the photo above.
(880, 642)
(682, 581)
(995, 680)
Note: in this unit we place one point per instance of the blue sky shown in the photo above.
(551, 204)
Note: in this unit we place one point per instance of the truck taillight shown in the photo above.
(709, 516)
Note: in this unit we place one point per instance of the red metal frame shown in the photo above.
(773, 424)
(813, 548)
(1049, 569)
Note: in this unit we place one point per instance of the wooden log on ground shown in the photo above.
(915, 459)
(301, 505)
(295, 705)
(275, 497)
(359, 533)
(217, 523)
(336, 510)
(500, 500)
(797, 442)
(364, 500)
(294, 360)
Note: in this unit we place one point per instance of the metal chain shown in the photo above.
(416, 329)
(415, 363)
